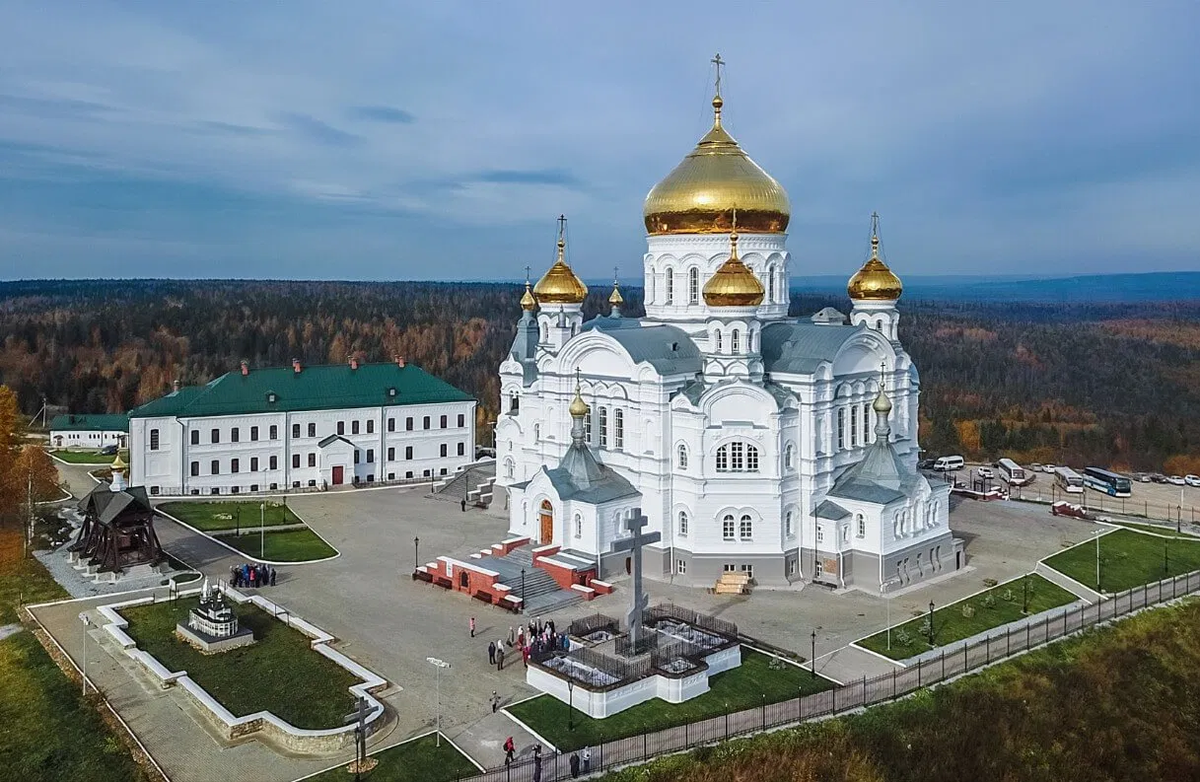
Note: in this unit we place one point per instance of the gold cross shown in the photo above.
(717, 61)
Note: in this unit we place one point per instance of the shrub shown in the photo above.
(989, 601)
(1009, 596)
(902, 637)
(968, 611)
(990, 582)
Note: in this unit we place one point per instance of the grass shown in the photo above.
(1127, 559)
(1153, 529)
(294, 545)
(50, 731)
(419, 760)
(992, 608)
(22, 580)
(731, 691)
(84, 457)
(210, 516)
(279, 673)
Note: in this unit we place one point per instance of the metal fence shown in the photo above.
(703, 621)
(584, 627)
(954, 660)
(1174, 513)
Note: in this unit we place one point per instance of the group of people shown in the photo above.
(535, 638)
(581, 762)
(251, 575)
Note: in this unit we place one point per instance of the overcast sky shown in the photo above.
(440, 140)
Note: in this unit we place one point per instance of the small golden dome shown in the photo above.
(882, 404)
(559, 285)
(615, 298)
(578, 408)
(733, 285)
(874, 281)
(699, 195)
(528, 302)
(119, 463)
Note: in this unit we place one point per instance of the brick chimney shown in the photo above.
(296, 365)
(245, 367)
(354, 362)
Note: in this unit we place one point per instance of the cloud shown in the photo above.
(383, 114)
(528, 177)
(317, 130)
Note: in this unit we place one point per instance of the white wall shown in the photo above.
(71, 438)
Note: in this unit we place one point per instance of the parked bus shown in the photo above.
(1013, 473)
(1106, 481)
(1068, 480)
(948, 463)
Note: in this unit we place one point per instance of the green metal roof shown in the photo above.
(325, 387)
(116, 422)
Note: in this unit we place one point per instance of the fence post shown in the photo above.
(1028, 636)
(764, 711)
(918, 672)
(726, 720)
(1008, 642)
(864, 689)
(835, 689)
(988, 642)
(645, 745)
(893, 684)
(686, 743)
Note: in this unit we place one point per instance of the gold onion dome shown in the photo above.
(882, 404)
(874, 281)
(119, 463)
(528, 302)
(733, 285)
(559, 285)
(699, 195)
(615, 298)
(578, 408)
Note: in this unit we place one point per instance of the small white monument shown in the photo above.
(213, 626)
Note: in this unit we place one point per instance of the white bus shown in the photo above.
(1068, 480)
(1013, 473)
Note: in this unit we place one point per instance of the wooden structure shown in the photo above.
(731, 583)
(118, 530)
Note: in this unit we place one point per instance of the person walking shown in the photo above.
(492, 653)
(586, 756)
(272, 576)
(509, 750)
(495, 701)
(472, 627)
(500, 659)
(512, 636)
(574, 765)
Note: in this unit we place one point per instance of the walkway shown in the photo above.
(7, 630)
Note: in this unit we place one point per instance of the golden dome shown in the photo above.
(615, 298)
(874, 281)
(559, 285)
(528, 303)
(119, 463)
(699, 195)
(882, 404)
(733, 285)
(578, 408)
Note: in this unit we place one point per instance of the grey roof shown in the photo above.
(108, 505)
(610, 486)
(828, 316)
(881, 477)
(524, 346)
(331, 439)
(667, 348)
(831, 510)
(799, 348)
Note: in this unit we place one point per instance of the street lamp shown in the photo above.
(87, 622)
(416, 553)
(813, 665)
(262, 530)
(570, 704)
(1166, 558)
(931, 623)
(237, 520)
(1097, 534)
(439, 664)
(522, 587)
(1025, 598)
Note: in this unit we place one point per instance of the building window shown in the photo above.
(861, 526)
(425, 422)
(357, 455)
(693, 285)
(370, 456)
(341, 427)
(683, 457)
(853, 426)
(787, 457)
(391, 454)
(681, 566)
(408, 424)
(296, 461)
(537, 433)
(214, 436)
(274, 432)
(462, 420)
(312, 459)
(845, 533)
(727, 528)
(234, 436)
(683, 524)
(787, 525)
(442, 450)
(603, 427)
(619, 428)
(737, 457)
(746, 528)
(273, 464)
(723, 459)
(670, 286)
(770, 284)
(866, 423)
(820, 534)
(354, 427)
(254, 434)
(751, 459)
(587, 427)
(720, 347)
(312, 429)
(391, 425)
(195, 437)
(735, 342)
(578, 526)
(370, 426)
(295, 431)
(408, 452)
(153, 439)
(442, 422)
(462, 449)
(195, 469)
(215, 467)
(253, 464)
(748, 570)
(235, 465)
(841, 428)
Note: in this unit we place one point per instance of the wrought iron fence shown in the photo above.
(954, 660)
(703, 621)
(584, 627)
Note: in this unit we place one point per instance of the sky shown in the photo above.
(441, 140)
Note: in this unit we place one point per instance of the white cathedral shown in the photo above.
(753, 442)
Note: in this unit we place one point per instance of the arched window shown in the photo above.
(719, 346)
(841, 428)
(787, 525)
(746, 528)
(683, 457)
(788, 453)
(683, 524)
(510, 468)
(670, 286)
(650, 293)
(727, 528)
(735, 342)
(619, 428)
(866, 423)
(853, 426)
(861, 526)
(737, 457)
(578, 526)
(524, 513)
(693, 285)
(770, 284)
(545, 332)
(604, 427)
(587, 427)
(537, 433)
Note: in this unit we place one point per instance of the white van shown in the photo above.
(948, 463)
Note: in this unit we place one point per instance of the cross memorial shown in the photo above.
(634, 544)
(359, 716)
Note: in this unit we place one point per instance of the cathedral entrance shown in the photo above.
(546, 517)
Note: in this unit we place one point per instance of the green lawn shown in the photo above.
(296, 545)
(950, 624)
(209, 516)
(278, 673)
(22, 581)
(419, 760)
(731, 691)
(1128, 559)
(84, 457)
(1153, 529)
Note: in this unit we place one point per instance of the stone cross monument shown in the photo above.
(633, 544)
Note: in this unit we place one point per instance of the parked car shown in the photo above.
(986, 472)
(926, 464)
(1192, 480)
(1049, 468)
(1158, 477)
(1176, 480)
(1035, 467)
(108, 450)
(1144, 477)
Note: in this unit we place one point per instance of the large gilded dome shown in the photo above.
(874, 281)
(700, 194)
(559, 285)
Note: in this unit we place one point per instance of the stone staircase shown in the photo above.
(542, 592)
(473, 483)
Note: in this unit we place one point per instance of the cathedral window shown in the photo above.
(737, 457)
(578, 526)
(788, 455)
(735, 342)
(719, 346)
(683, 524)
(603, 427)
(853, 426)
(509, 468)
(545, 332)
(670, 286)
(683, 457)
(746, 528)
(841, 428)
(770, 284)
(537, 432)
(862, 526)
(751, 459)
(619, 429)
(788, 530)
(727, 528)
(587, 427)
(693, 285)
(866, 422)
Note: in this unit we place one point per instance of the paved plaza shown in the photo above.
(389, 623)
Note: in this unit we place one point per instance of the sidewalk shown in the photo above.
(484, 739)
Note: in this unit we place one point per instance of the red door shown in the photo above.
(337, 475)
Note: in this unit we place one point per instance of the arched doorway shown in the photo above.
(546, 517)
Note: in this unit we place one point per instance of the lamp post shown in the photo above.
(931, 623)
(888, 599)
(570, 704)
(262, 530)
(813, 659)
(1097, 534)
(439, 664)
(1166, 558)
(83, 617)
(522, 587)
(1025, 598)
(416, 553)
(237, 520)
